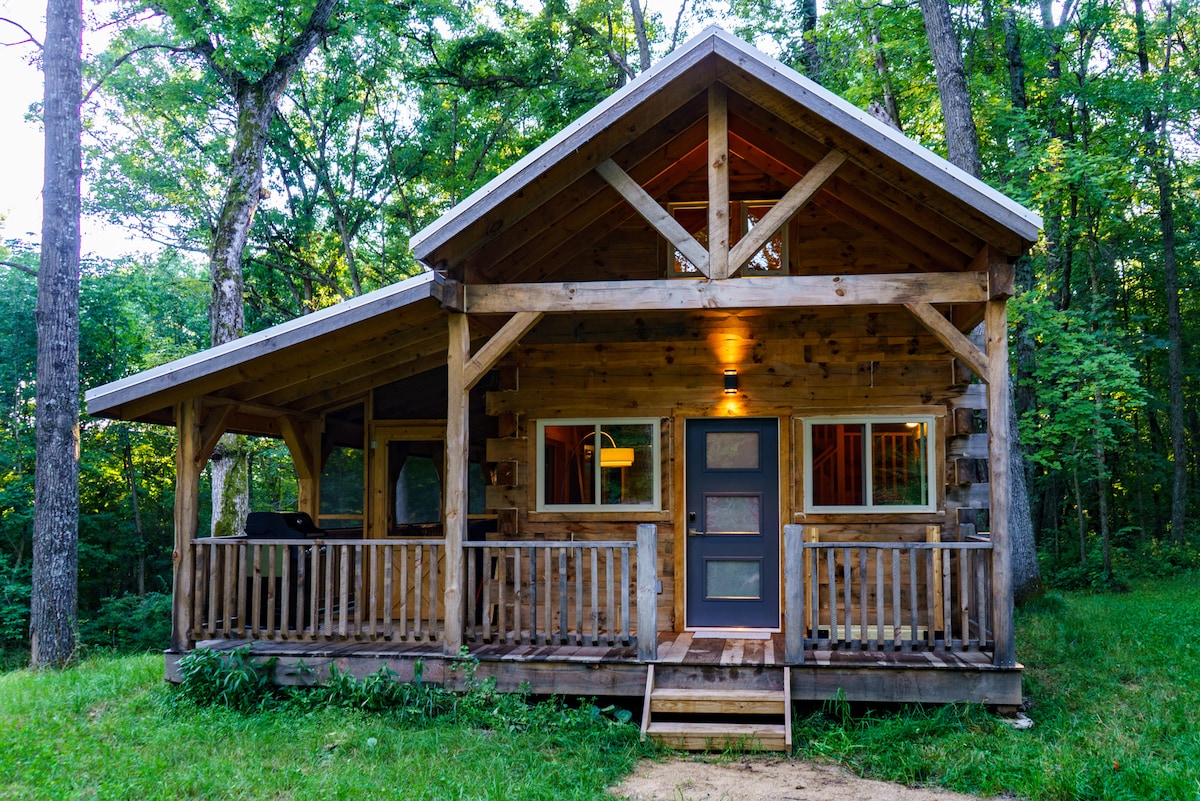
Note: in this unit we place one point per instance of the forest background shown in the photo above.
(1088, 112)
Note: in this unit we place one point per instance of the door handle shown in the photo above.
(695, 533)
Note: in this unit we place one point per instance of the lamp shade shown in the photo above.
(616, 457)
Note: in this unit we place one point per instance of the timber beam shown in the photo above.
(740, 293)
(775, 219)
(654, 214)
(955, 341)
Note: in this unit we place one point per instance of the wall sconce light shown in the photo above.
(731, 382)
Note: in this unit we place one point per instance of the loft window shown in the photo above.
(771, 259)
(598, 464)
(869, 464)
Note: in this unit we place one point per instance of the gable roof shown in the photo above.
(717, 54)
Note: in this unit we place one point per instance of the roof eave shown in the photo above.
(107, 400)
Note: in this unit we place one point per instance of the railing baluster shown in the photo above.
(533, 597)
(344, 591)
(831, 570)
(579, 629)
(433, 591)
(913, 599)
(240, 589)
(847, 590)
(387, 591)
(897, 629)
(548, 578)
(563, 597)
(418, 590)
(610, 598)
(256, 589)
(595, 615)
(878, 640)
(487, 594)
(518, 595)
(862, 599)
(625, 591)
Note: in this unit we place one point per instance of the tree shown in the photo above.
(962, 144)
(255, 76)
(53, 619)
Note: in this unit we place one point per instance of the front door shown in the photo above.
(732, 514)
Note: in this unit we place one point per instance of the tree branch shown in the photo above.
(29, 37)
(27, 270)
(125, 57)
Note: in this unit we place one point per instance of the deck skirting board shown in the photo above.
(587, 671)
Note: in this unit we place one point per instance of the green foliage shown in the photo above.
(14, 603)
(232, 679)
(127, 623)
(109, 729)
(1109, 722)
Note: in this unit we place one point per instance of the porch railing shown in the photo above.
(564, 593)
(886, 596)
(317, 589)
(549, 593)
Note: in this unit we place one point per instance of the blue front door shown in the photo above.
(732, 514)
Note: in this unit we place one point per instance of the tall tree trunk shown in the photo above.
(962, 139)
(53, 617)
(962, 145)
(810, 55)
(890, 104)
(639, 29)
(256, 103)
(1158, 151)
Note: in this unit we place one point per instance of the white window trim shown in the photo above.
(930, 454)
(656, 473)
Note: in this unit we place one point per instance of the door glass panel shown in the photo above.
(733, 578)
(733, 514)
(731, 450)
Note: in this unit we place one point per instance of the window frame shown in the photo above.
(868, 420)
(655, 505)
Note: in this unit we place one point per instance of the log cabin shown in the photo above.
(703, 402)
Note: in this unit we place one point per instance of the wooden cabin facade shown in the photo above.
(691, 386)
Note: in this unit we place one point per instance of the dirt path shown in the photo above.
(762, 780)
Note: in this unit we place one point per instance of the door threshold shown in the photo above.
(731, 634)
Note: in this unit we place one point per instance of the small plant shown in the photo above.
(232, 679)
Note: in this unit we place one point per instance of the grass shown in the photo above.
(106, 730)
(1113, 684)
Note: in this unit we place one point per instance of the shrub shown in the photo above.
(129, 623)
(14, 604)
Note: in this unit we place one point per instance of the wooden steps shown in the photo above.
(718, 718)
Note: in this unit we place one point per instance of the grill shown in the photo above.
(281, 525)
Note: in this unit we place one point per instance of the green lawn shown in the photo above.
(1114, 683)
(1114, 687)
(104, 731)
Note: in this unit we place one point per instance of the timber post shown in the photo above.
(647, 592)
(187, 521)
(793, 594)
(996, 318)
(457, 433)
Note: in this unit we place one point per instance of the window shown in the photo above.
(341, 503)
(597, 465)
(859, 464)
(771, 259)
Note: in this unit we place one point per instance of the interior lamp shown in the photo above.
(731, 382)
(614, 456)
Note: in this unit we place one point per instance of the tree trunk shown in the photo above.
(639, 29)
(256, 103)
(1102, 490)
(962, 145)
(1158, 148)
(810, 58)
(962, 140)
(53, 617)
